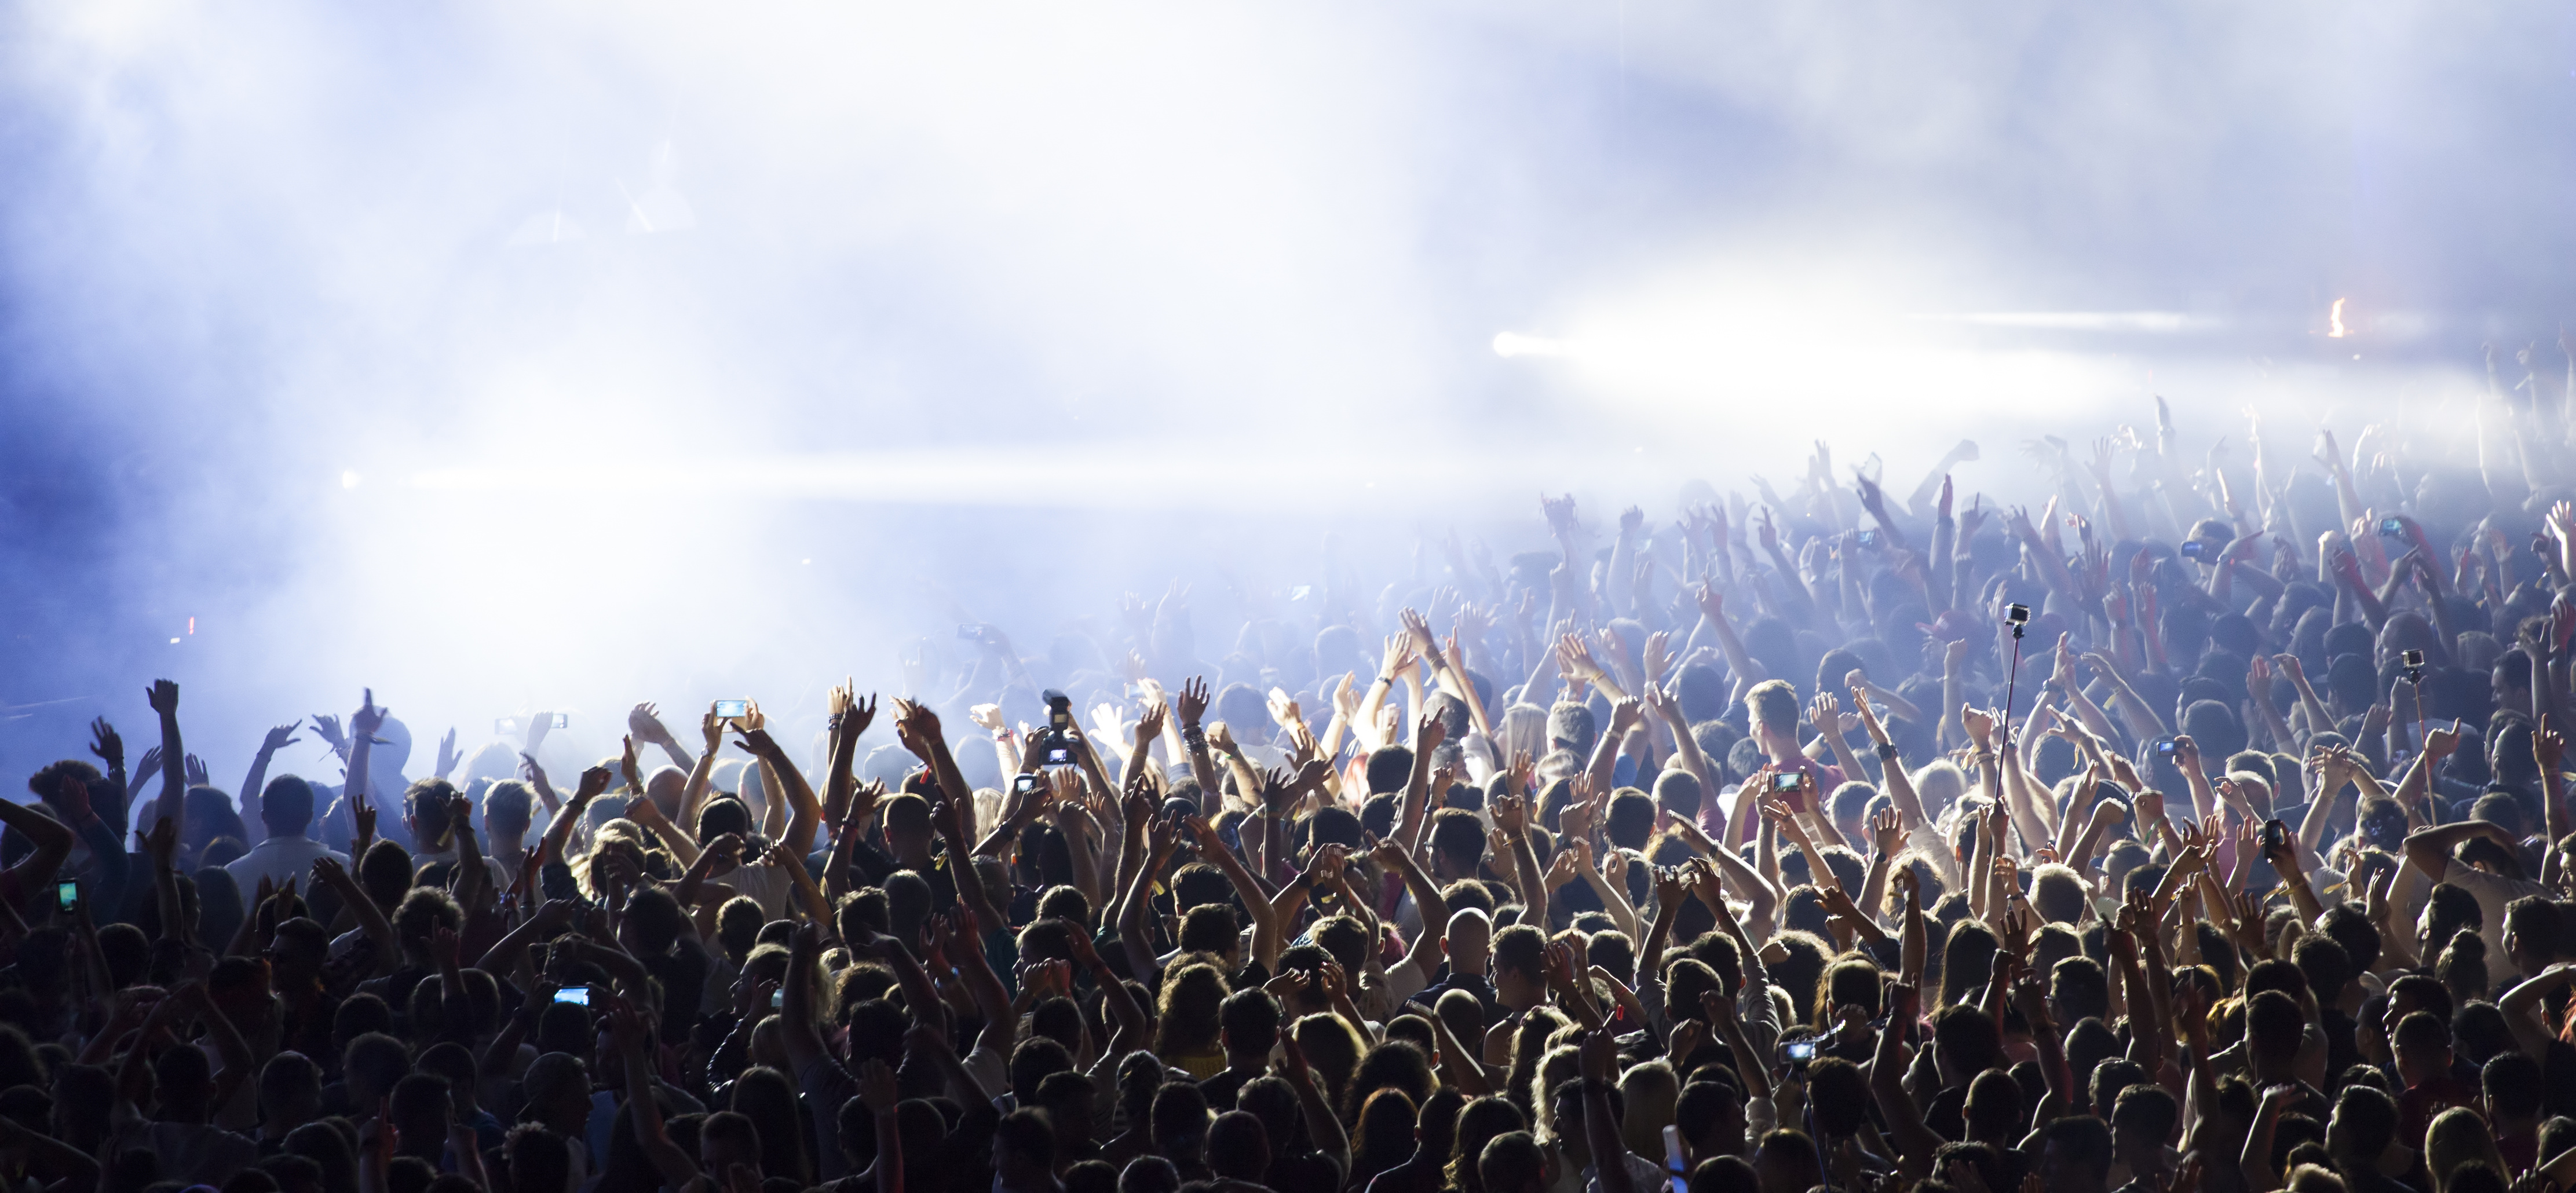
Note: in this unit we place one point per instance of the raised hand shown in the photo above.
(163, 695)
(1825, 713)
(368, 718)
(110, 748)
(160, 841)
(1979, 723)
(1671, 886)
(1574, 657)
(1561, 869)
(2548, 746)
(1887, 832)
(644, 723)
(196, 771)
(1192, 702)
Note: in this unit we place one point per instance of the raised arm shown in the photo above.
(568, 817)
(1600, 1067)
(805, 812)
(164, 696)
(677, 1167)
(252, 823)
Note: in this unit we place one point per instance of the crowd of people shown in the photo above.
(2203, 832)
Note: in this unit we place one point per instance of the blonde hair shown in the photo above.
(1332, 1048)
(1650, 1092)
(2457, 1136)
(1939, 785)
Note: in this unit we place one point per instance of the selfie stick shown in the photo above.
(2012, 678)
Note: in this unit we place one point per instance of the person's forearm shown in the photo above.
(1844, 759)
(174, 776)
(1533, 887)
(254, 826)
(2553, 804)
(473, 879)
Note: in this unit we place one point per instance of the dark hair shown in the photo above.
(1250, 1019)
(1967, 1038)
(286, 806)
(2512, 1083)
(2147, 1109)
(2087, 1142)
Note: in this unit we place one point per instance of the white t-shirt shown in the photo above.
(278, 859)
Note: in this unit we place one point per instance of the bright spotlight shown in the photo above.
(1512, 343)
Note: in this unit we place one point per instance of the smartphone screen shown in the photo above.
(67, 895)
(777, 999)
(563, 720)
(578, 996)
(733, 709)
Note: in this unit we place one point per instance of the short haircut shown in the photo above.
(286, 806)
(1390, 769)
(2274, 1025)
(1511, 1160)
(2422, 1029)
(1773, 705)
(1250, 1018)
(2512, 1083)
(2148, 1110)
(1025, 1133)
(2087, 1142)
(1522, 949)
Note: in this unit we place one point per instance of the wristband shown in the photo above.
(1887, 751)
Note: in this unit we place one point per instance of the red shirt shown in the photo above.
(2417, 1107)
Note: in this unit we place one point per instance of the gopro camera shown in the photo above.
(2414, 660)
(2016, 614)
(732, 710)
(67, 894)
(1055, 745)
(578, 996)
